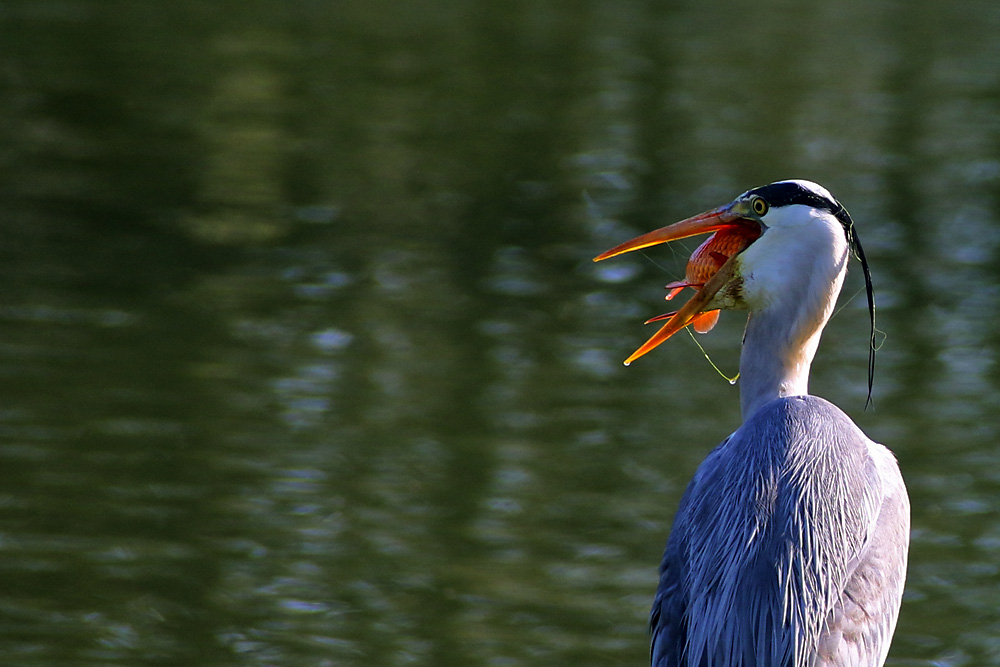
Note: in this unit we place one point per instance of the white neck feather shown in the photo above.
(791, 278)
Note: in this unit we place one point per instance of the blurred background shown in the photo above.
(305, 361)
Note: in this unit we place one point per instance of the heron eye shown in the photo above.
(759, 205)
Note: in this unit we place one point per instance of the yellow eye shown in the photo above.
(759, 205)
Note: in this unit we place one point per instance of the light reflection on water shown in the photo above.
(334, 381)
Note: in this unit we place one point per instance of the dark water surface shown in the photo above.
(305, 361)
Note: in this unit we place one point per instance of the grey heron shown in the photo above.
(790, 543)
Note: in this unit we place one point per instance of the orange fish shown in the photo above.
(704, 263)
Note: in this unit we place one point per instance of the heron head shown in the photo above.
(716, 270)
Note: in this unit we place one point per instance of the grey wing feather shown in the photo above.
(860, 626)
(789, 547)
(667, 622)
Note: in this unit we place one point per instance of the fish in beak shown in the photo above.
(711, 267)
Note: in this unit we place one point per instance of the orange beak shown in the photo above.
(725, 217)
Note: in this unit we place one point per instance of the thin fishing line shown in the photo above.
(884, 335)
(730, 380)
(846, 303)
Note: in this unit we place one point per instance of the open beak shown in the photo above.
(730, 218)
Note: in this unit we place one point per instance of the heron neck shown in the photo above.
(776, 358)
(790, 295)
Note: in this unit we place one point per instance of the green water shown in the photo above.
(305, 361)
